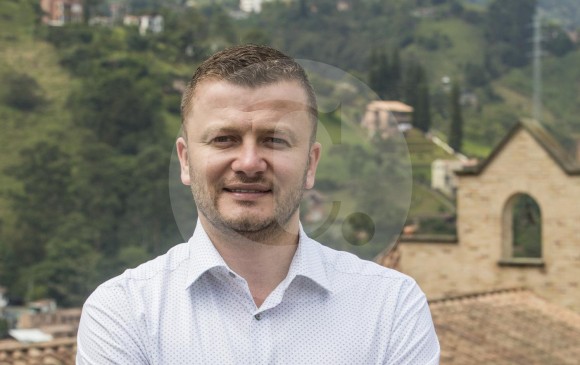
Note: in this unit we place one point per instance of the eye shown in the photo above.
(276, 141)
(223, 141)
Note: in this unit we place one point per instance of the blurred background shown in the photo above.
(472, 105)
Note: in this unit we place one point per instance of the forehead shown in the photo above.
(225, 98)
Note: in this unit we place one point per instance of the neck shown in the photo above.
(263, 260)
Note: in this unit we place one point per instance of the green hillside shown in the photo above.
(448, 45)
(23, 54)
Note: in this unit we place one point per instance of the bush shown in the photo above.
(3, 328)
(23, 92)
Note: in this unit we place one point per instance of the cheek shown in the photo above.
(289, 168)
(210, 169)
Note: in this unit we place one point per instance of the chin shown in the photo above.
(249, 224)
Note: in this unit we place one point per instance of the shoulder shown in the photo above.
(346, 266)
(147, 276)
(164, 264)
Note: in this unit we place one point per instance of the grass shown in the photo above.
(426, 202)
(465, 45)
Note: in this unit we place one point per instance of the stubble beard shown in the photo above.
(252, 228)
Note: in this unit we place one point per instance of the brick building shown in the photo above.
(528, 162)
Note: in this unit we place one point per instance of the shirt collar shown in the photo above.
(203, 255)
(308, 260)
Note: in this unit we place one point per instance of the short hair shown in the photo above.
(253, 66)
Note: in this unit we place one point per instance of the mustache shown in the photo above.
(244, 179)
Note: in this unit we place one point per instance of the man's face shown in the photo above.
(247, 155)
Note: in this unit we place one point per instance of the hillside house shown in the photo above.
(61, 12)
(385, 118)
(252, 6)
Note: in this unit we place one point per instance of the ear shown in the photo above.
(181, 146)
(314, 158)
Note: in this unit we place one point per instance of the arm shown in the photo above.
(413, 339)
(108, 332)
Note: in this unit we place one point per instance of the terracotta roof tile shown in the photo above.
(506, 327)
(56, 352)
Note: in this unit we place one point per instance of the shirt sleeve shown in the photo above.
(108, 333)
(413, 340)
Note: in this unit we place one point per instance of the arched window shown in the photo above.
(522, 229)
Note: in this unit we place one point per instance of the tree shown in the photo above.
(44, 172)
(380, 73)
(456, 132)
(422, 109)
(68, 272)
(39, 206)
(415, 92)
(385, 75)
(508, 30)
(89, 7)
(24, 93)
(559, 43)
(394, 92)
(373, 75)
(121, 105)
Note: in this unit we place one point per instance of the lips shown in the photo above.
(247, 188)
(245, 191)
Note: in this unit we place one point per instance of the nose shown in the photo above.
(249, 160)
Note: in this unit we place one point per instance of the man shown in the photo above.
(250, 287)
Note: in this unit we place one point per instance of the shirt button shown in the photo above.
(232, 275)
(258, 316)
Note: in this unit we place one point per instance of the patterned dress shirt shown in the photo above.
(189, 307)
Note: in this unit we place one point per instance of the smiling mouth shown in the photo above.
(247, 191)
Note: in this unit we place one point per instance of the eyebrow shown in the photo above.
(261, 131)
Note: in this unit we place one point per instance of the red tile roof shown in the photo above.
(505, 327)
(56, 352)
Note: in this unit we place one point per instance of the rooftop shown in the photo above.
(542, 136)
(56, 352)
(391, 105)
(511, 326)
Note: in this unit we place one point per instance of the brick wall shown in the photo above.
(471, 265)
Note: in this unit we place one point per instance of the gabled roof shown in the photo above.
(505, 327)
(390, 105)
(542, 136)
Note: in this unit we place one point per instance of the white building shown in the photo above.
(152, 24)
(442, 177)
(251, 6)
(3, 299)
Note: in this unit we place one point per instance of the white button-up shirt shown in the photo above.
(189, 307)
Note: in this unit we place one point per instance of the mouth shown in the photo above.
(247, 192)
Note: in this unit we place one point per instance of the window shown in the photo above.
(522, 231)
